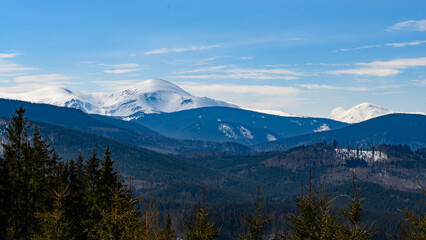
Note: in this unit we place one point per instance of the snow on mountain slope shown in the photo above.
(359, 113)
(150, 96)
(273, 112)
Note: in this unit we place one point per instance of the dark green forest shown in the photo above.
(262, 196)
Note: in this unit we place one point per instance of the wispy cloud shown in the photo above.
(122, 70)
(179, 50)
(400, 63)
(231, 72)
(412, 25)
(204, 69)
(397, 45)
(43, 78)
(378, 72)
(10, 68)
(239, 89)
(382, 68)
(118, 68)
(10, 55)
(247, 96)
(347, 88)
(116, 84)
(419, 83)
(253, 76)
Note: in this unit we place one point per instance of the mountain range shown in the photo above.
(150, 96)
(160, 96)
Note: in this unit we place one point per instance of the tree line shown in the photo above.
(42, 197)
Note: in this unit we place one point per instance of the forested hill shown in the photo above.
(409, 129)
(116, 129)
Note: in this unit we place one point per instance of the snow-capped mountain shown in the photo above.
(150, 96)
(359, 113)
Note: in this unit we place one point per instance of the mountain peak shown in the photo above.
(156, 85)
(150, 96)
(359, 113)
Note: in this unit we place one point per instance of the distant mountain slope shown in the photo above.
(394, 128)
(116, 129)
(232, 124)
(150, 96)
(167, 173)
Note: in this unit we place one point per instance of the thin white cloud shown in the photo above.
(116, 84)
(419, 83)
(379, 72)
(9, 55)
(253, 76)
(396, 45)
(412, 25)
(43, 78)
(247, 96)
(346, 88)
(179, 50)
(400, 63)
(239, 89)
(126, 65)
(205, 69)
(11, 67)
(230, 72)
(382, 68)
(118, 68)
(122, 70)
(264, 71)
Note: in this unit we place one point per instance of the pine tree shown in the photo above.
(414, 225)
(107, 181)
(119, 220)
(76, 207)
(167, 233)
(27, 175)
(55, 224)
(352, 213)
(201, 228)
(149, 221)
(257, 222)
(92, 173)
(316, 218)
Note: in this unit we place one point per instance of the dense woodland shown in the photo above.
(44, 197)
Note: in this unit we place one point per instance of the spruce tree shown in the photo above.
(27, 175)
(55, 225)
(119, 220)
(107, 181)
(75, 203)
(257, 222)
(352, 213)
(201, 228)
(167, 233)
(316, 218)
(92, 173)
(414, 225)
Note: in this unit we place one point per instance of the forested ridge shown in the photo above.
(45, 197)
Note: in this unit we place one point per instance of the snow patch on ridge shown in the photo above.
(322, 128)
(227, 130)
(246, 133)
(270, 138)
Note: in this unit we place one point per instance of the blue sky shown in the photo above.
(301, 57)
